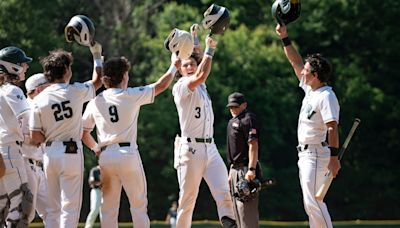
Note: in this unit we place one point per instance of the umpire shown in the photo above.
(243, 155)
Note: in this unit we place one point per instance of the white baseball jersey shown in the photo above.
(13, 105)
(57, 110)
(30, 151)
(115, 113)
(196, 116)
(318, 108)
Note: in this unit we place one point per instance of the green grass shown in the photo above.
(269, 224)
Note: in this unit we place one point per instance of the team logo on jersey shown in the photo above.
(20, 97)
(141, 88)
(308, 111)
(191, 150)
(234, 124)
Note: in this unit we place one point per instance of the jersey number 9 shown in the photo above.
(113, 113)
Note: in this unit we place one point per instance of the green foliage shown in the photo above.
(360, 37)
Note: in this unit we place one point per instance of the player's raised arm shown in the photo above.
(194, 31)
(204, 68)
(291, 53)
(165, 80)
(96, 50)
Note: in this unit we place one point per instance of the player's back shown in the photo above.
(58, 110)
(115, 112)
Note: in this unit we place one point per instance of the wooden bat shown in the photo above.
(328, 176)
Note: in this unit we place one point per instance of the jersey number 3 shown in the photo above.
(113, 113)
(62, 110)
(198, 112)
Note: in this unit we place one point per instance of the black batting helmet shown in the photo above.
(286, 11)
(11, 59)
(81, 29)
(216, 18)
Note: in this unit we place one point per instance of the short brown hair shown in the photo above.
(320, 65)
(55, 64)
(114, 70)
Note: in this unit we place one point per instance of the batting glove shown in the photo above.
(96, 50)
(194, 30)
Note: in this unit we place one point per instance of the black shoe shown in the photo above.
(228, 222)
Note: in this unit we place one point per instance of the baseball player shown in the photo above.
(318, 120)
(95, 196)
(196, 156)
(115, 112)
(15, 197)
(33, 155)
(56, 121)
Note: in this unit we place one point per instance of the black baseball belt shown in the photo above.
(200, 140)
(121, 144)
(304, 147)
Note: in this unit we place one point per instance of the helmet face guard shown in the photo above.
(81, 29)
(216, 18)
(11, 59)
(286, 11)
(179, 42)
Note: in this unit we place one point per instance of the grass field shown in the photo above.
(269, 224)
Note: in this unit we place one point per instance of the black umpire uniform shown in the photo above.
(242, 130)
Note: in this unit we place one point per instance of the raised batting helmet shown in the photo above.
(216, 18)
(179, 42)
(81, 29)
(11, 59)
(286, 11)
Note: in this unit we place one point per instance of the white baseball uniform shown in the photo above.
(13, 108)
(33, 158)
(197, 155)
(57, 113)
(318, 108)
(115, 113)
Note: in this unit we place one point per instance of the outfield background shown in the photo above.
(361, 37)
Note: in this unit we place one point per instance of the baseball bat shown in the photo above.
(328, 176)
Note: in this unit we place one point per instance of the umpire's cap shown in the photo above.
(236, 99)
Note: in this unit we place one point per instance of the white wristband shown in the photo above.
(98, 63)
(172, 70)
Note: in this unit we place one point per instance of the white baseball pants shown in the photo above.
(313, 164)
(122, 167)
(37, 185)
(11, 182)
(64, 175)
(194, 161)
(95, 204)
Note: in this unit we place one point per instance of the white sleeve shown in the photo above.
(86, 89)
(330, 108)
(88, 120)
(17, 102)
(35, 122)
(143, 94)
